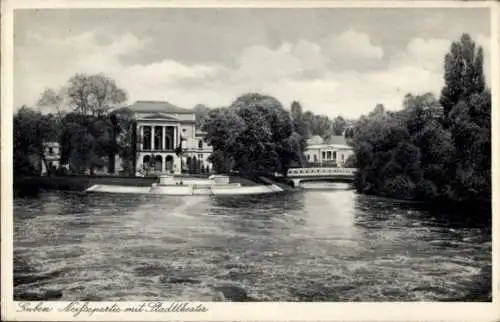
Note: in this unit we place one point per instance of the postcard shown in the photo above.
(250, 160)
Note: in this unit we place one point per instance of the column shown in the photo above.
(152, 137)
(164, 134)
(175, 137)
(141, 137)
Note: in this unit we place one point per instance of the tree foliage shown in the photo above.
(253, 135)
(463, 73)
(31, 130)
(90, 134)
(339, 125)
(432, 150)
(93, 94)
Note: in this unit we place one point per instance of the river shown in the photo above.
(315, 245)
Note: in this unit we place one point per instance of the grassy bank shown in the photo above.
(77, 183)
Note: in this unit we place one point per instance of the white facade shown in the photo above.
(52, 155)
(161, 128)
(328, 154)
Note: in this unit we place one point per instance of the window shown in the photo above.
(329, 155)
(308, 157)
(51, 150)
(323, 154)
(200, 144)
(200, 156)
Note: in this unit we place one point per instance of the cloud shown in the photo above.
(259, 63)
(426, 54)
(352, 50)
(343, 74)
(42, 62)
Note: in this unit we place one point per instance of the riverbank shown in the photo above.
(76, 183)
(32, 184)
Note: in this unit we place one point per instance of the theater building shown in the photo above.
(160, 129)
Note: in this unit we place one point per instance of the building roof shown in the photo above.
(336, 139)
(157, 107)
(328, 146)
(51, 143)
(155, 116)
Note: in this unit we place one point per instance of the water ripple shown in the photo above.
(314, 246)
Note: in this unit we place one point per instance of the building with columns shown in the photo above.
(333, 153)
(160, 128)
(52, 154)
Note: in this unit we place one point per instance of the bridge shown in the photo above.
(298, 175)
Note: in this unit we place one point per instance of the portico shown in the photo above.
(157, 136)
(161, 128)
(157, 143)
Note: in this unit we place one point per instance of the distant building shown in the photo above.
(334, 153)
(160, 128)
(52, 154)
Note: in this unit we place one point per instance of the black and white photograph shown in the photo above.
(251, 154)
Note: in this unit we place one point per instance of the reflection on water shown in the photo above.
(317, 245)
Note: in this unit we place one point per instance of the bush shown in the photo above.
(426, 190)
(400, 187)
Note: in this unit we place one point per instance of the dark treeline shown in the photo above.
(432, 150)
(91, 132)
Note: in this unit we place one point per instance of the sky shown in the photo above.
(333, 61)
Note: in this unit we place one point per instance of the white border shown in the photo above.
(249, 311)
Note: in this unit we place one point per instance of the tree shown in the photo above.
(51, 98)
(93, 94)
(463, 75)
(467, 108)
(339, 125)
(124, 131)
(296, 110)
(322, 126)
(201, 112)
(300, 128)
(255, 134)
(91, 99)
(413, 154)
(351, 162)
(31, 130)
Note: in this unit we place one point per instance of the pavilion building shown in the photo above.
(334, 153)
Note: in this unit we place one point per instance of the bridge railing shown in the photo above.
(314, 172)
